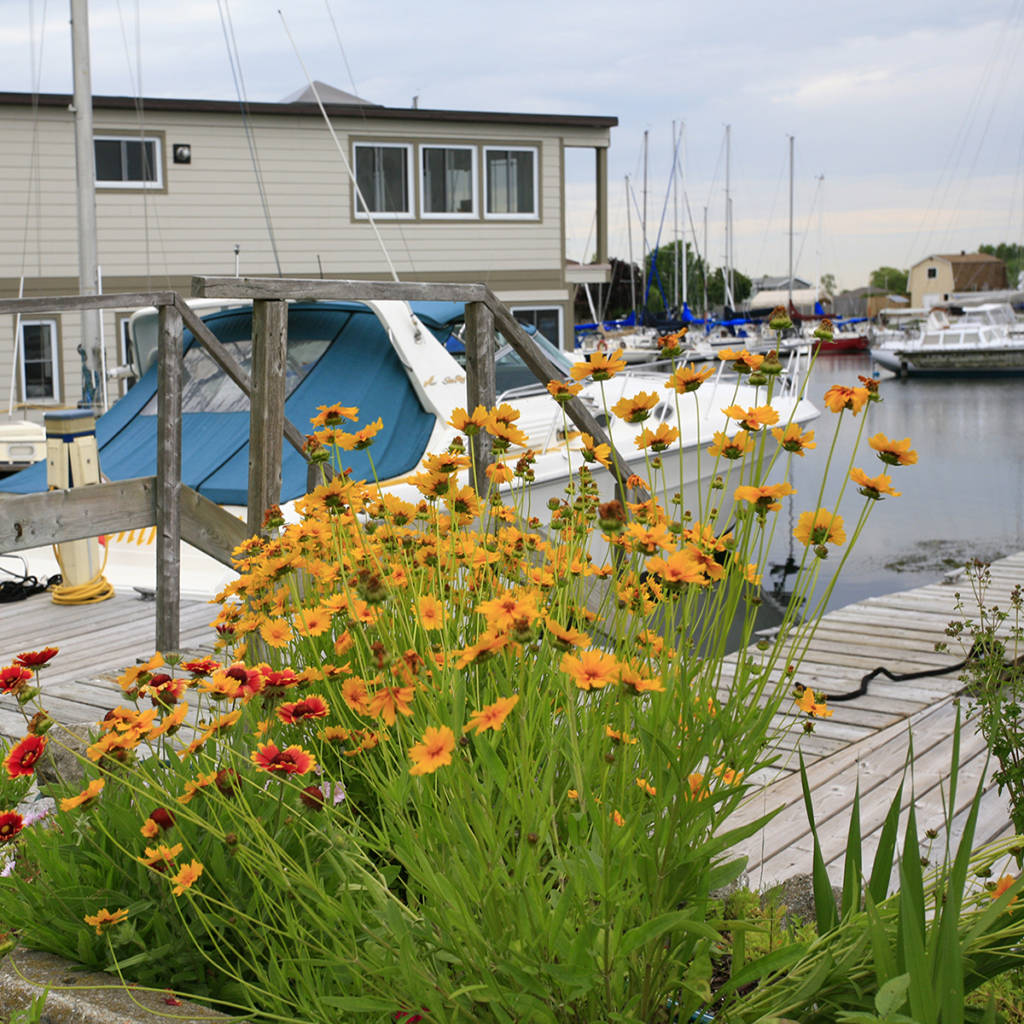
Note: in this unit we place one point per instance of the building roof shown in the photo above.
(368, 111)
(328, 94)
(973, 271)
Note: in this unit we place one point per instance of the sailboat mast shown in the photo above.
(790, 302)
(629, 239)
(85, 177)
(675, 219)
(727, 276)
(682, 173)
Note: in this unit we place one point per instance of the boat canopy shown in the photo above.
(337, 353)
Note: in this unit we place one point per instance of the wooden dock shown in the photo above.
(867, 740)
(96, 643)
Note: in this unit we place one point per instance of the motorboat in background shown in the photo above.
(983, 339)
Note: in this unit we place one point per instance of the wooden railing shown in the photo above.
(180, 513)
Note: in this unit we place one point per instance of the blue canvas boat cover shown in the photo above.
(337, 352)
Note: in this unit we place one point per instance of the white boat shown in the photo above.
(390, 360)
(983, 339)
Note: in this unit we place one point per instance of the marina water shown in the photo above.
(963, 500)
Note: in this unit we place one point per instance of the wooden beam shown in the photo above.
(168, 473)
(209, 527)
(544, 370)
(266, 411)
(338, 290)
(63, 303)
(52, 517)
(481, 388)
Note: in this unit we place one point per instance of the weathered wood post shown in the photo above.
(481, 388)
(168, 474)
(266, 410)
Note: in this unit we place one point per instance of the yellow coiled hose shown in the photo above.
(95, 590)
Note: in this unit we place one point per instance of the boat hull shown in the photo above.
(951, 363)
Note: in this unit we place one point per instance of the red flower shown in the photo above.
(23, 755)
(13, 678)
(292, 760)
(227, 781)
(162, 817)
(312, 796)
(201, 666)
(36, 659)
(11, 823)
(313, 706)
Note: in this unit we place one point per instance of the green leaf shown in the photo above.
(885, 854)
(676, 919)
(892, 995)
(852, 870)
(824, 900)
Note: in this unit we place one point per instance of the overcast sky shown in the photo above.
(906, 114)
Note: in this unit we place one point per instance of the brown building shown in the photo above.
(935, 278)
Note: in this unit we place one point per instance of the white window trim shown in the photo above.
(535, 215)
(158, 162)
(405, 214)
(54, 357)
(557, 342)
(474, 214)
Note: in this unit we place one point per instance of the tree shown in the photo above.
(1012, 255)
(889, 279)
(613, 300)
(828, 283)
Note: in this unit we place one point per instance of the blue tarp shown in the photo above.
(352, 363)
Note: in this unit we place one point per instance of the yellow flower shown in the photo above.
(186, 876)
(873, 487)
(104, 919)
(431, 612)
(685, 379)
(276, 632)
(657, 440)
(86, 797)
(808, 701)
(562, 392)
(467, 423)
(893, 453)
(792, 439)
(764, 498)
(591, 670)
(600, 365)
(821, 527)
(732, 447)
(594, 452)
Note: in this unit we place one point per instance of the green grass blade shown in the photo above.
(885, 854)
(852, 866)
(824, 900)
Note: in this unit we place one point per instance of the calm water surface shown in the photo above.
(963, 499)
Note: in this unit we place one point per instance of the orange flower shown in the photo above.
(434, 751)
(1001, 886)
(792, 439)
(160, 857)
(732, 447)
(637, 408)
(313, 621)
(839, 397)
(22, 757)
(509, 610)
(808, 702)
(390, 699)
(592, 669)
(431, 612)
(594, 452)
(685, 379)
(753, 418)
(742, 361)
(499, 473)
(193, 787)
(600, 365)
(646, 787)
(893, 453)
(86, 797)
(764, 498)
(873, 487)
(362, 438)
(492, 716)
(276, 632)
(330, 415)
(104, 919)
(186, 876)
(657, 440)
(292, 760)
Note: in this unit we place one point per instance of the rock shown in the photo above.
(61, 762)
(796, 894)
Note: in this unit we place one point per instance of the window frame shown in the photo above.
(54, 324)
(543, 308)
(409, 212)
(933, 272)
(157, 185)
(473, 213)
(532, 215)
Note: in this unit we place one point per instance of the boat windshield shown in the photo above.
(207, 388)
(511, 372)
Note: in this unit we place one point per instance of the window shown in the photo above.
(448, 180)
(511, 182)
(127, 162)
(547, 320)
(933, 272)
(382, 174)
(38, 345)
